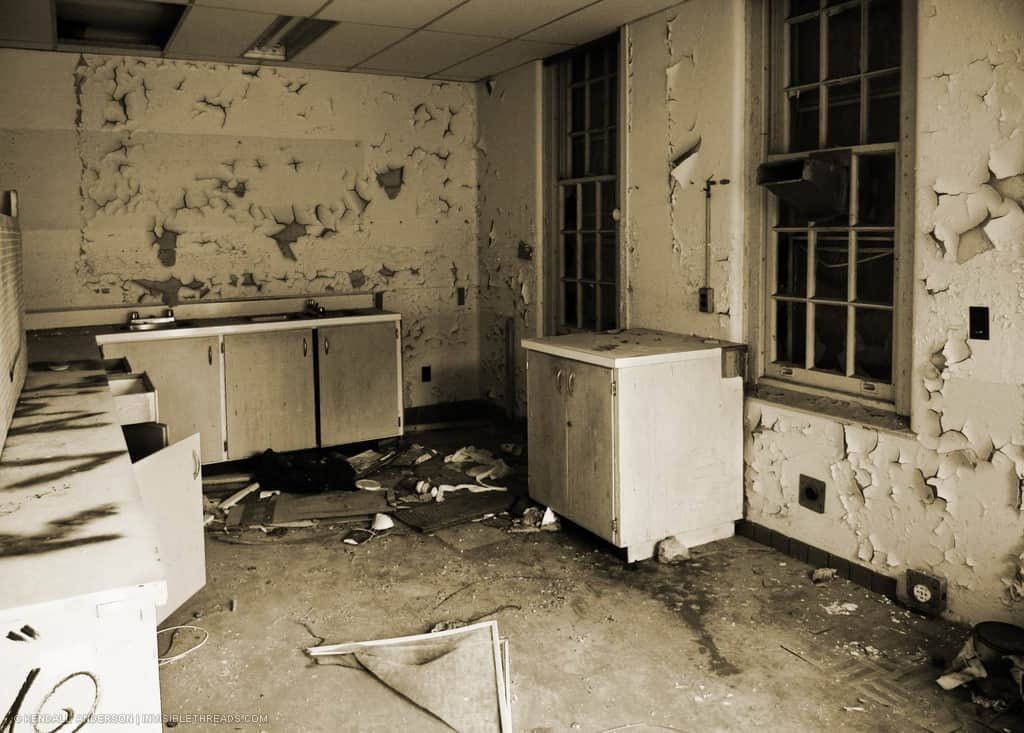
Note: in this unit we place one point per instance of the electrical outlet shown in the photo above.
(425, 374)
(706, 300)
(812, 494)
(926, 593)
(978, 319)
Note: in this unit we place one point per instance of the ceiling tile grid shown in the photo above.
(461, 40)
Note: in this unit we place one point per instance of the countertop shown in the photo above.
(631, 347)
(81, 343)
(71, 517)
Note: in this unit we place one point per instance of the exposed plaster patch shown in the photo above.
(391, 180)
(169, 290)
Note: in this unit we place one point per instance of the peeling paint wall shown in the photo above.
(947, 498)
(684, 83)
(510, 232)
(149, 180)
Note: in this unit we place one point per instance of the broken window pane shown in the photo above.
(883, 34)
(588, 270)
(609, 201)
(609, 257)
(873, 344)
(875, 269)
(844, 43)
(791, 265)
(804, 52)
(609, 307)
(569, 266)
(844, 114)
(799, 7)
(589, 206)
(884, 108)
(803, 120)
(830, 338)
(791, 332)
(579, 156)
(570, 305)
(831, 266)
(569, 207)
(589, 319)
(876, 190)
(578, 112)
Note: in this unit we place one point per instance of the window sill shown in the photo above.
(840, 410)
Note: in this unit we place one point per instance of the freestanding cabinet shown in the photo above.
(637, 436)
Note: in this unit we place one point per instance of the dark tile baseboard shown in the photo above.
(863, 576)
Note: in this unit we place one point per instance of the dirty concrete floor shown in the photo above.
(736, 639)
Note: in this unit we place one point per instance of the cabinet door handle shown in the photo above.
(572, 382)
(558, 381)
(197, 466)
(209, 354)
(327, 346)
(305, 346)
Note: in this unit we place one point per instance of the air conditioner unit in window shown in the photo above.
(816, 185)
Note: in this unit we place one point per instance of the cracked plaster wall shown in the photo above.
(684, 84)
(509, 227)
(946, 497)
(148, 180)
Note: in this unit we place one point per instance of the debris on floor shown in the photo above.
(823, 575)
(456, 679)
(536, 519)
(305, 471)
(990, 665)
(840, 609)
(671, 551)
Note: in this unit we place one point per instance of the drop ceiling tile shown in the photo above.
(28, 24)
(346, 44)
(499, 59)
(488, 18)
(426, 52)
(218, 33)
(303, 8)
(399, 13)
(596, 20)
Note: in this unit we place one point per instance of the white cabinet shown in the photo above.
(636, 436)
(270, 394)
(187, 375)
(360, 380)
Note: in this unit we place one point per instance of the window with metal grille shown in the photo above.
(586, 90)
(833, 300)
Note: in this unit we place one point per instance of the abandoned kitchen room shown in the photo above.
(549, 365)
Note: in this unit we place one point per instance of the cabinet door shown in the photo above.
(590, 449)
(170, 482)
(187, 376)
(360, 391)
(545, 383)
(270, 392)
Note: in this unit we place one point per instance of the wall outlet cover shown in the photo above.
(926, 593)
(812, 494)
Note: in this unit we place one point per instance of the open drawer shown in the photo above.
(134, 398)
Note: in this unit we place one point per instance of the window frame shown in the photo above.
(769, 65)
(557, 174)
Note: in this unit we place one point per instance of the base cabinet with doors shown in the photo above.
(636, 436)
(286, 386)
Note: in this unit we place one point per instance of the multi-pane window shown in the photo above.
(832, 278)
(586, 138)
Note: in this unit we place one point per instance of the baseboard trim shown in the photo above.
(863, 576)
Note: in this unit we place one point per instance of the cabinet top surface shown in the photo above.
(71, 517)
(629, 347)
